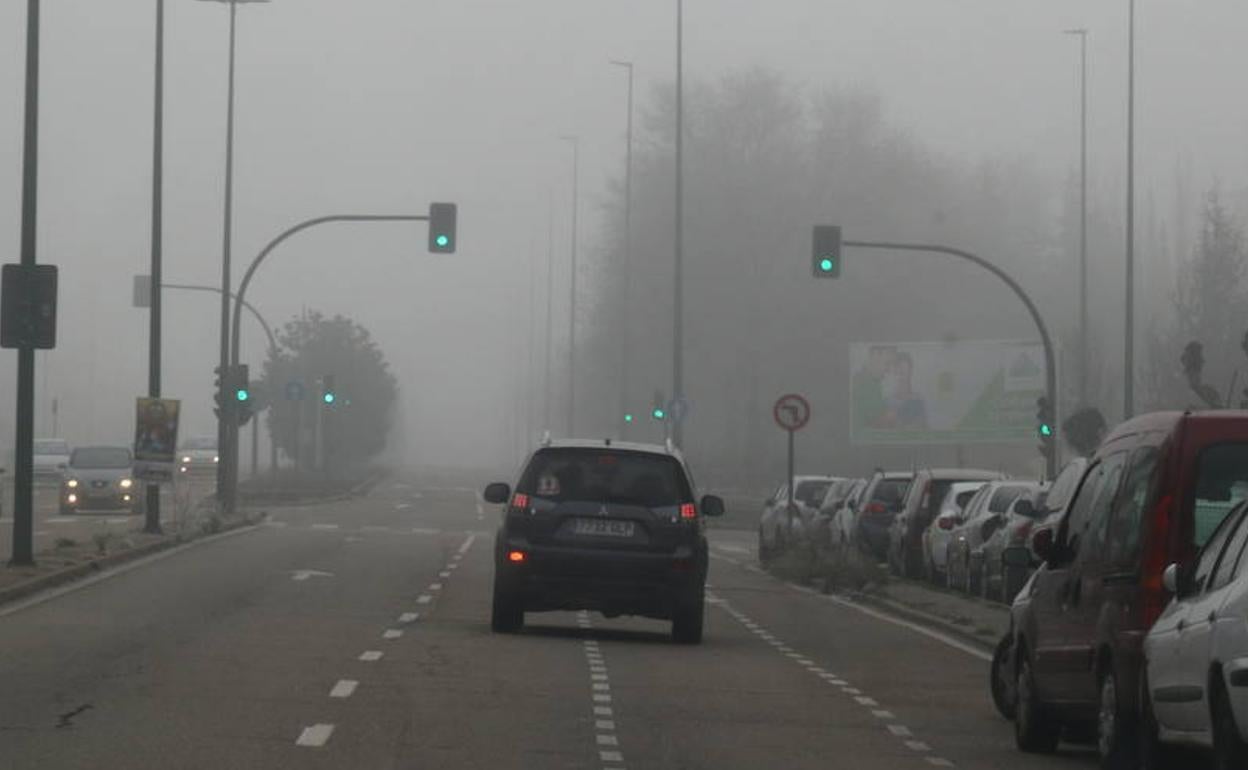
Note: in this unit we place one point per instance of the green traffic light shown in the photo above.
(628, 418)
(242, 395)
(443, 241)
(1046, 430)
(328, 398)
(659, 414)
(826, 264)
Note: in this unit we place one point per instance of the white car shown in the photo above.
(936, 536)
(198, 454)
(1197, 652)
(51, 457)
(778, 529)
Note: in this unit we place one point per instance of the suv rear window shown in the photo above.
(812, 492)
(890, 492)
(607, 476)
(1221, 482)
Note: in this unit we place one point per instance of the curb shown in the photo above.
(78, 571)
(921, 617)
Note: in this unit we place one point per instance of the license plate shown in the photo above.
(604, 527)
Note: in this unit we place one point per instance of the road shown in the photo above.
(50, 525)
(356, 635)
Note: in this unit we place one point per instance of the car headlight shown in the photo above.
(186, 459)
(216, 459)
(71, 499)
(72, 483)
(125, 483)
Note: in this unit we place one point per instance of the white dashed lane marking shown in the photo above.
(409, 617)
(424, 599)
(605, 738)
(370, 656)
(391, 633)
(899, 731)
(315, 736)
(344, 688)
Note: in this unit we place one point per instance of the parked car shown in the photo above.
(51, 457)
(881, 501)
(780, 528)
(922, 504)
(834, 521)
(983, 515)
(936, 537)
(1155, 492)
(606, 526)
(1197, 653)
(998, 580)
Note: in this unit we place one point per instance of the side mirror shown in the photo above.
(1170, 579)
(712, 505)
(1017, 556)
(1042, 544)
(497, 493)
(1025, 507)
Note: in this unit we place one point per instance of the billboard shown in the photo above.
(944, 392)
(155, 438)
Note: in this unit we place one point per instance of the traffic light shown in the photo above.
(826, 251)
(218, 391)
(442, 220)
(328, 393)
(658, 413)
(628, 417)
(239, 391)
(1045, 427)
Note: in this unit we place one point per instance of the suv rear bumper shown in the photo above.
(611, 582)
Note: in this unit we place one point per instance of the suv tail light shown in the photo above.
(1022, 533)
(520, 502)
(874, 507)
(688, 511)
(1156, 559)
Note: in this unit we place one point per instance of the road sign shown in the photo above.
(791, 412)
(155, 438)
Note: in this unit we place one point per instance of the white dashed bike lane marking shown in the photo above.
(606, 741)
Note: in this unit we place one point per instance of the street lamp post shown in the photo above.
(626, 266)
(550, 309)
(576, 204)
(678, 281)
(1128, 386)
(151, 522)
(227, 433)
(1083, 213)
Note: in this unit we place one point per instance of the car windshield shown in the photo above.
(100, 457)
(1221, 483)
(606, 476)
(51, 447)
(200, 443)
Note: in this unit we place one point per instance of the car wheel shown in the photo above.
(999, 678)
(1034, 732)
(507, 616)
(1229, 749)
(1115, 736)
(687, 622)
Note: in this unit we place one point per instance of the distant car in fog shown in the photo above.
(198, 455)
(919, 508)
(778, 531)
(99, 478)
(881, 501)
(51, 457)
(936, 537)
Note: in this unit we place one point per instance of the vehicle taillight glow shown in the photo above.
(1156, 559)
(874, 507)
(944, 523)
(520, 501)
(515, 557)
(1021, 534)
(688, 511)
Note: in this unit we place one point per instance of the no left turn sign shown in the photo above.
(791, 412)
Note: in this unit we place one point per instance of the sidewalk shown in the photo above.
(974, 619)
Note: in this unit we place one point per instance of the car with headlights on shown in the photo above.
(100, 478)
(198, 454)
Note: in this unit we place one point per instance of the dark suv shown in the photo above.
(1153, 494)
(610, 527)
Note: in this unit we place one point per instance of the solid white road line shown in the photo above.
(315, 736)
(370, 656)
(344, 688)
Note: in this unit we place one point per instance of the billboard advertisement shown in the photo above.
(155, 438)
(944, 392)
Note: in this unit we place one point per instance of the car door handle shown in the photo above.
(1182, 624)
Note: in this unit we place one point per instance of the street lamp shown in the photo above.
(627, 260)
(1128, 386)
(678, 287)
(576, 162)
(1083, 212)
(227, 447)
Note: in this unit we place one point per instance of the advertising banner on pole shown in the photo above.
(156, 438)
(944, 392)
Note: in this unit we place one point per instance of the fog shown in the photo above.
(381, 106)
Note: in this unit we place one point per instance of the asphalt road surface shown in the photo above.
(356, 635)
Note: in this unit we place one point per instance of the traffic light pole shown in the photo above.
(151, 522)
(1050, 364)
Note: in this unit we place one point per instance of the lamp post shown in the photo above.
(576, 204)
(1083, 213)
(1128, 385)
(678, 326)
(626, 266)
(151, 521)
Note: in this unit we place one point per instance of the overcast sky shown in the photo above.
(384, 105)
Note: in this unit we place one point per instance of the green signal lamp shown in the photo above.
(628, 418)
(242, 395)
(659, 413)
(329, 398)
(1046, 430)
(827, 264)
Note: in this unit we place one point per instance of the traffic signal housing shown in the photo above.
(329, 394)
(442, 223)
(1045, 427)
(239, 393)
(826, 251)
(219, 385)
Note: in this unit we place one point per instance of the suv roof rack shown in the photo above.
(546, 439)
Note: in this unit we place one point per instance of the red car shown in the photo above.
(1153, 493)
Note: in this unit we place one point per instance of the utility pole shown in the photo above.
(151, 523)
(1128, 386)
(678, 331)
(576, 204)
(24, 433)
(550, 309)
(626, 266)
(1083, 213)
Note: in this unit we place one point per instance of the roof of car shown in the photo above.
(963, 474)
(1167, 421)
(603, 443)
